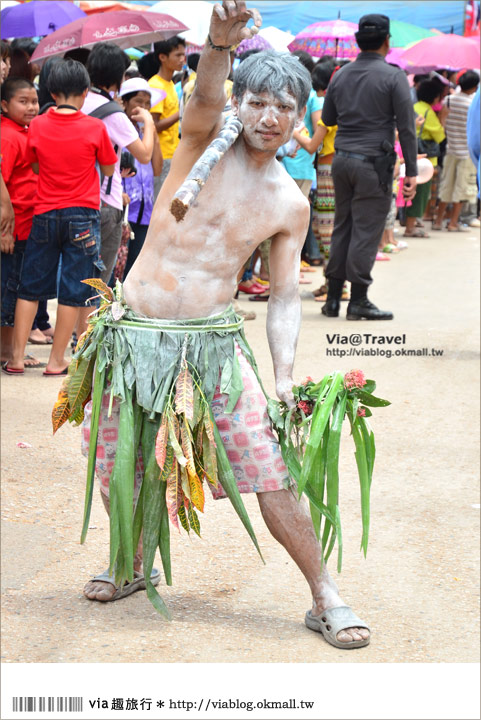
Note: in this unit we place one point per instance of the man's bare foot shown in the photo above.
(330, 599)
(101, 591)
(104, 591)
(37, 337)
(55, 367)
(29, 361)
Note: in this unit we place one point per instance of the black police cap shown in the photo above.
(373, 25)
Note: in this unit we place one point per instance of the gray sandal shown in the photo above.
(129, 588)
(332, 621)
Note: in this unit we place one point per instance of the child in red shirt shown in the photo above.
(19, 107)
(64, 146)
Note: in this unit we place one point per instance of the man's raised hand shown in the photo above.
(228, 25)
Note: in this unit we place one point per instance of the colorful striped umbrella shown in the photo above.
(332, 37)
(404, 34)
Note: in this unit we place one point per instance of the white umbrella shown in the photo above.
(277, 38)
(196, 14)
(9, 3)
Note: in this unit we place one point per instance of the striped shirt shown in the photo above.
(456, 124)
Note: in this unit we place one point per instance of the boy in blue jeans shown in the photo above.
(63, 147)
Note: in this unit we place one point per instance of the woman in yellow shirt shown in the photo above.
(428, 94)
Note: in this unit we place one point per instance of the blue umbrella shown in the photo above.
(37, 18)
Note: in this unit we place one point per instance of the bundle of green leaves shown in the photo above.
(310, 435)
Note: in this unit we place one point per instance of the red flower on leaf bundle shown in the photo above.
(305, 407)
(354, 379)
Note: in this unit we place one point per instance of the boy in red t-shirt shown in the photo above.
(19, 107)
(64, 146)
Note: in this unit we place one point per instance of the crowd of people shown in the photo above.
(73, 209)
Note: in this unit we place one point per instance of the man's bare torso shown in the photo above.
(189, 269)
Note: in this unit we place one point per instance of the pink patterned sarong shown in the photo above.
(251, 446)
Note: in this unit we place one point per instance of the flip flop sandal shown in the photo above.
(11, 371)
(419, 233)
(332, 621)
(320, 291)
(48, 341)
(390, 248)
(259, 298)
(38, 364)
(381, 256)
(129, 588)
(48, 373)
(460, 228)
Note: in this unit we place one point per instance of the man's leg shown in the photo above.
(66, 319)
(102, 591)
(370, 207)
(106, 452)
(341, 235)
(25, 312)
(289, 522)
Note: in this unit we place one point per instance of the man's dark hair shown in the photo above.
(44, 96)
(148, 65)
(165, 47)
(193, 61)
(106, 65)
(327, 59)
(420, 78)
(321, 76)
(68, 77)
(428, 91)
(468, 80)
(79, 54)
(26, 44)
(373, 42)
(12, 85)
(305, 59)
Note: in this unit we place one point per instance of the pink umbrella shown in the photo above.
(254, 43)
(123, 27)
(442, 51)
(332, 37)
(394, 56)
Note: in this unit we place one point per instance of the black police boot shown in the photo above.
(334, 292)
(364, 308)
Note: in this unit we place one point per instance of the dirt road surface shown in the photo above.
(421, 572)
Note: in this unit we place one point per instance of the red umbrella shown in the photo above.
(441, 51)
(123, 27)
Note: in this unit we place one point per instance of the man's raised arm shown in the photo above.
(202, 115)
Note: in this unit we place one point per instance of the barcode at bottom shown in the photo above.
(47, 704)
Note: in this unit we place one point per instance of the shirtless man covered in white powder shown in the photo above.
(189, 269)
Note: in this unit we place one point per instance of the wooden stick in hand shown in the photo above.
(198, 176)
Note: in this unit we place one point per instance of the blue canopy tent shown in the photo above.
(444, 15)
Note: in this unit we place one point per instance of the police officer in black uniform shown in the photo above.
(366, 99)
